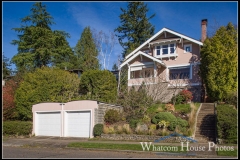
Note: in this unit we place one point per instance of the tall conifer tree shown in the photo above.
(218, 67)
(135, 28)
(38, 45)
(86, 51)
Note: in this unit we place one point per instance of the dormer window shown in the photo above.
(165, 50)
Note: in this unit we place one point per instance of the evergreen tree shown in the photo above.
(135, 28)
(86, 51)
(218, 67)
(38, 45)
(6, 71)
(98, 85)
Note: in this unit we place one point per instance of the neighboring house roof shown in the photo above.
(144, 54)
(72, 70)
(157, 34)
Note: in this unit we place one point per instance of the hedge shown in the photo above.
(17, 128)
(227, 123)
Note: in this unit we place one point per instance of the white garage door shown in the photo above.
(78, 124)
(48, 124)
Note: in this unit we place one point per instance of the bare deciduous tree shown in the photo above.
(105, 44)
(160, 88)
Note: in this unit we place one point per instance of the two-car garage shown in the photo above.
(74, 119)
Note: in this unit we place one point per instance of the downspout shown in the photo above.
(62, 124)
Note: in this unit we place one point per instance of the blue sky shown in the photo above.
(73, 17)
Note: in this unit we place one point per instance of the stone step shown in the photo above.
(206, 110)
(206, 113)
(209, 134)
(205, 129)
(206, 122)
(206, 117)
(205, 133)
(206, 138)
(207, 125)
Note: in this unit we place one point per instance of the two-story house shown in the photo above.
(170, 57)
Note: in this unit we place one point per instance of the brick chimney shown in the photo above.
(204, 29)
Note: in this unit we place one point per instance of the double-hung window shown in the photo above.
(165, 49)
(158, 50)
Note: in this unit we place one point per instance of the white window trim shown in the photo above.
(188, 65)
(165, 55)
(188, 45)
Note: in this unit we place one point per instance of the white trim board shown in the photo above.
(157, 34)
(144, 54)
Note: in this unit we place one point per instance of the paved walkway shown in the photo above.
(60, 142)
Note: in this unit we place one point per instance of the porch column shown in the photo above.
(129, 71)
(167, 74)
(155, 69)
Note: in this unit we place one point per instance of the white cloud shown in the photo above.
(86, 14)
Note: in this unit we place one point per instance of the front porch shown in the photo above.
(147, 72)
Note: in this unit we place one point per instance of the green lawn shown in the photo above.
(227, 153)
(183, 108)
(114, 146)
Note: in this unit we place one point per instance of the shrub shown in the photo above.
(141, 128)
(126, 128)
(178, 99)
(183, 124)
(153, 127)
(183, 97)
(187, 95)
(98, 130)
(166, 116)
(163, 133)
(105, 129)
(170, 107)
(231, 98)
(146, 119)
(163, 124)
(173, 121)
(112, 116)
(99, 85)
(118, 129)
(152, 109)
(45, 85)
(111, 130)
(17, 128)
(227, 123)
(133, 123)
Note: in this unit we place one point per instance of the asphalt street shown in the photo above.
(52, 153)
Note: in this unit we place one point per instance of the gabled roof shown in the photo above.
(144, 54)
(157, 34)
